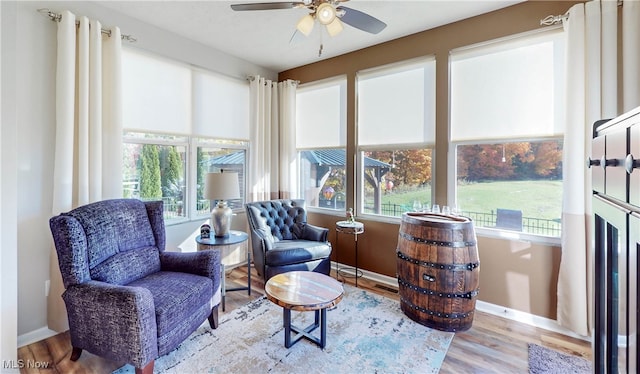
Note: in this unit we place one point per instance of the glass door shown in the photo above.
(611, 340)
(634, 295)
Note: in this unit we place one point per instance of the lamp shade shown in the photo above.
(305, 25)
(335, 27)
(221, 186)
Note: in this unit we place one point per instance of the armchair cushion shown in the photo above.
(125, 267)
(177, 297)
(288, 252)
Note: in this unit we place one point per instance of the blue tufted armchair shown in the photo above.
(127, 299)
(283, 241)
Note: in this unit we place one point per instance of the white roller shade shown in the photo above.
(506, 89)
(156, 94)
(321, 114)
(220, 106)
(396, 105)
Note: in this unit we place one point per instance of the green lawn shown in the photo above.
(540, 199)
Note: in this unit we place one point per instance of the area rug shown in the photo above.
(366, 333)
(545, 360)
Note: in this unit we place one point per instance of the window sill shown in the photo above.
(484, 232)
(517, 236)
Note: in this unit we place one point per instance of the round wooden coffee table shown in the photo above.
(304, 291)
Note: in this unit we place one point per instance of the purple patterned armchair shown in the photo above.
(127, 299)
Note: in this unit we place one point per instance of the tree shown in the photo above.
(409, 167)
(202, 171)
(417, 166)
(482, 162)
(548, 159)
(171, 173)
(150, 186)
(510, 161)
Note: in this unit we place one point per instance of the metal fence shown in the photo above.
(173, 209)
(530, 225)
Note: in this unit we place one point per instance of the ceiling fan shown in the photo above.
(327, 12)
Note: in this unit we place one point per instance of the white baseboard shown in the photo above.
(35, 336)
(497, 310)
(529, 319)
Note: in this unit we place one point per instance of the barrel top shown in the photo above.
(435, 217)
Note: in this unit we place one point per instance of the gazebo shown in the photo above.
(321, 163)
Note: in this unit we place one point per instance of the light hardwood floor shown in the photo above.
(492, 345)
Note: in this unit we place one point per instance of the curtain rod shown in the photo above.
(251, 78)
(56, 17)
(554, 19)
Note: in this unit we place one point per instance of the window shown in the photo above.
(320, 141)
(180, 123)
(154, 168)
(506, 128)
(396, 136)
(213, 157)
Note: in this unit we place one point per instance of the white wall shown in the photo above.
(33, 144)
(8, 187)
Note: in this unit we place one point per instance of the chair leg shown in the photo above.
(147, 369)
(213, 317)
(75, 353)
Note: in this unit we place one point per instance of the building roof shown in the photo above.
(235, 158)
(322, 157)
(337, 157)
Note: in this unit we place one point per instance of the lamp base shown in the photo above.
(221, 219)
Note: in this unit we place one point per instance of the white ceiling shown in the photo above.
(263, 37)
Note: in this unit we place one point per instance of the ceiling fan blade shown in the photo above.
(267, 6)
(361, 20)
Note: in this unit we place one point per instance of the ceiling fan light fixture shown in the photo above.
(305, 25)
(335, 27)
(325, 13)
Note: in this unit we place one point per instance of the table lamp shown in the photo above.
(221, 187)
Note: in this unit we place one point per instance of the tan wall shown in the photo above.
(514, 274)
(519, 275)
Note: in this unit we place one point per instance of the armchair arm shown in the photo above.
(112, 321)
(315, 233)
(205, 263)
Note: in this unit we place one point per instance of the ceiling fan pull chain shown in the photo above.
(321, 42)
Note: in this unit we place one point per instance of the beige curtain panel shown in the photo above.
(591, 31)
(87, 165)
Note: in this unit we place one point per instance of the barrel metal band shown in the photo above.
(437, 242)
(435, 265)
(434, 313)
(468, 295)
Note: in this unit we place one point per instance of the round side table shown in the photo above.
(233, 253)
(304, 291)
(354, 228)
